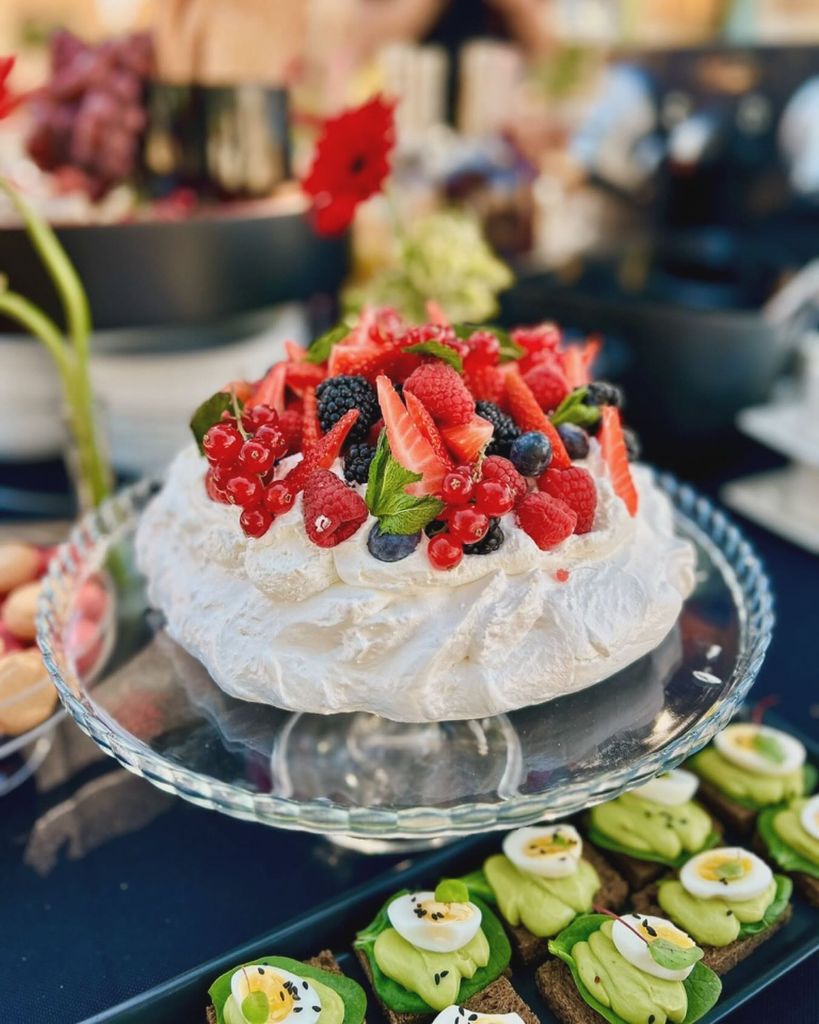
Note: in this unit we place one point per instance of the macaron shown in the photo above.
(27, 696)
(19, 564)
(20, 611)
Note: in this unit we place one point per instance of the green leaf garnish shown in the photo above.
(440, 351)
(574, 410)
(509, 348)
(386, 497)
(729, 869)
(451, 890)
(255, 1008)
(319, 350)
(784, 855)
(209, 413)
(672, 957)
(561, 841)
(768, 747)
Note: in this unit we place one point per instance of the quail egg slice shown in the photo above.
(634, 947)
(550, 851)
(809, 817)
(760, 749)
(269, 995)
(729, 872)
(431, 924)
(671, 789)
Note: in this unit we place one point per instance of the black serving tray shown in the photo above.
(182, 1000)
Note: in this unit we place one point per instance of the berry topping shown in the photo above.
(444, 552)
(255, 522)
(548, 384)
(633, 445)
(310, 426)
(222, 444)
(468, 525)
(505, 429)
(574, 486)
(272, 438)
(575, 440)
(257, 457)
(246, 491)
(259, 416)
(616, 456)
(323, 453)
(577, 362)
(497, 468)
(213, 487)
(457, 487)
(271, 389)
(357, 463)
(337, 395)
(531, 453)
(426, 425)
(408, 445)
(468, 441)
(601, 392)
(538, 342)
(443, 393)
(529, 416)
(494, 498)
(492, 541)
(332, 510)
(391, 547)
(278, 498)
(547, 520)
(290, 427)
(485, 382)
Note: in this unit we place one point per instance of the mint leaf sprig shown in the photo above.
(319, 350)
(387, 498)
(439, 351)
(573, 409)
(210, 412)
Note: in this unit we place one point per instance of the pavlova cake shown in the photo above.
(428, 523)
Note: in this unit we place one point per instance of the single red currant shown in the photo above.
(222, 444)
(444, 552)
(457, 488)
(494, 498)
(255, 521)
(259, 416)
(468, 525)
(256, 457)
(271, 437)
(214, 489)
(278, 498)
(246, 491)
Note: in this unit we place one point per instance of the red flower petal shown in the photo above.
(335, 215)
(8, 102)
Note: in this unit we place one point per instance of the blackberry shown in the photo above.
(357, 463)
(601, 392)
(505, 429)
(493, 539)
(634, 446)
(338, 395)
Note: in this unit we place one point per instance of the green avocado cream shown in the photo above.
(788, 827)
(713, 921)
(651, 828)
(435, 977)
(332, 1007)
(544, 906)
(632, 994)
(729, 778)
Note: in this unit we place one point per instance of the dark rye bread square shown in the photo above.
(556, 984)
(719, 958)
(497, 997)
(324, 960)
(737, 818)
(611, 895)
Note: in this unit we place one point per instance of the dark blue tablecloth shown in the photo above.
(108, 886)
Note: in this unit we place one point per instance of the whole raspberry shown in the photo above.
(485, 382)
(574, 486)
(442, 391)
(547, 520)
(332, 510)
(502, 470)
(548, 384)
(290, 426)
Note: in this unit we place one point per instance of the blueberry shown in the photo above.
(531, 453)
(602, 392)
(391, 547)
(575, 440)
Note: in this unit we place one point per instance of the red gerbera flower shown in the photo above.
(7, 100)
(351, 163)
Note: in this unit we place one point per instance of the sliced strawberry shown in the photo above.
(616, 456)
(577, 362)
(468, 440)
(407, 444)
(528, 415)
(271, 389)
(310, 428)
(303, 375)
(426, 425)
(322, 453)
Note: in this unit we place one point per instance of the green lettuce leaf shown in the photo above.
(784, 855)
(351, 993)
(386, 496)
(440, 351)
(209, 413)
(782, 897)
(401, 1000)
(319, 350)
(702, 986)
(599, 838)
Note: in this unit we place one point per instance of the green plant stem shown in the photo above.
(28, 316)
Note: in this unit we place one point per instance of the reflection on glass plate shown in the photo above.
(158, 712)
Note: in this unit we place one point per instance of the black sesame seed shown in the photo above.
(437, 979)
(317, 1009)
(651, 1018)
(260, 970)
(444, 973)
(281, 996)
(728, 913)
(297, 1009)
(472, 1016)
(597, 979)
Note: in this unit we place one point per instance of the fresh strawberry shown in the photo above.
(548, 384)
(425, 423)
(310, 429)
(528, 415)
(575, 487)
(468, 440)
(290, 423)
(332, 510)
(270, 390)
(497, 468)
(302, 375)
(375, 431)
(377, 352)
(577, 362)
(323, 453)
(616, 455)
(547, 521)
(485, 382)
(407, 444)
(443, 392)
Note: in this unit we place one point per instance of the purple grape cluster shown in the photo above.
(91, 114)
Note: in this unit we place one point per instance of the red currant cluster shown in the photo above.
(469, 507)
(242, 455)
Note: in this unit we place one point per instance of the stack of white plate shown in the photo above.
(147, 383)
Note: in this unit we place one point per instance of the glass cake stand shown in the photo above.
(360, 779)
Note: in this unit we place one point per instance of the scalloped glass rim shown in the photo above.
(739, 565)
